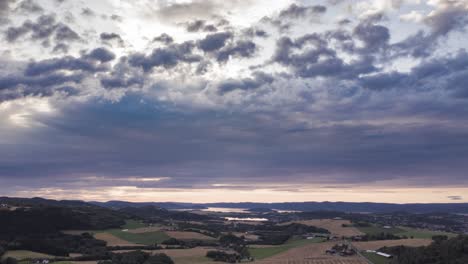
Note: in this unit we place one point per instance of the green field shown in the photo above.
(148, 238)
(261, 253)
(133, 224)
(376, 259)
(376, 230)
(420, 233)
(404, 231)
(25, 254)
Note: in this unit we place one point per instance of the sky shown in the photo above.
(241, 100)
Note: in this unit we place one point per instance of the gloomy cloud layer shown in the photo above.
(286, 96)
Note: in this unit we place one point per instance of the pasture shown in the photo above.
(375, 245)
(25, 254)
(269, 251)
(184, 235)
(376, 259)
(312, 253)
(336, 227)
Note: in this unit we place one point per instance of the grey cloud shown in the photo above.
(89, 62)
(111, 37)
(214, 41)
(164, 38)
(61, 48)
(295, 11)
(4, 10)
(101, 54)
(200, 25)
(373, 36)
(448, 74)
(259, 79)
(451, 18)
(116, 18)
(318, 59)
(241, 48)
(44, 29)
(17, 86)
(29, 6)
(88, 12)
(65, 63)
(167, 57)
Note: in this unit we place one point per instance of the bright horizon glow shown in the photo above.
(134, 194)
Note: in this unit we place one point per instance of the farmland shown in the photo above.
(403, 232)
(184, 235)
(268, 251)
(376, 259)
(312, 253)
(25, 254)
(374, 245)
(336, 227)
(119, 237)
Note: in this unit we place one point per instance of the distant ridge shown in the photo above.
(307, 206)
(351, 207)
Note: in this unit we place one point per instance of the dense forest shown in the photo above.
(441, 251)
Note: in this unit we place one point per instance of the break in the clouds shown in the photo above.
(194, 96)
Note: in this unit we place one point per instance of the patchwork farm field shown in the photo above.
(422, 233)
(336, 227)
(374, 245)
(404, 231)
(376, 259)
(25, 254)
(313, 253)
(265, 251)
(183, 235)
(119, 238)
(195, 255)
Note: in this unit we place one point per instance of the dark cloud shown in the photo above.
(374, 36)
(213, 42)
(167, 57)
(61, 48)
(44, 29)
(200, 25)
(111, 38)
(448, 74)
(101, 54)
(311, 56)
(92, 62)
(259, 79)
(17, 86)
(241, 48)
(164, 38)
(295, 11)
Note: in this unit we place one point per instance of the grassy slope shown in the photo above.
(375, 230)
(261, 253)
(418, 233)
(133, 224)
(148, 238)
(376, 259)
(404, 231)
(25, 254)
(142, 238)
